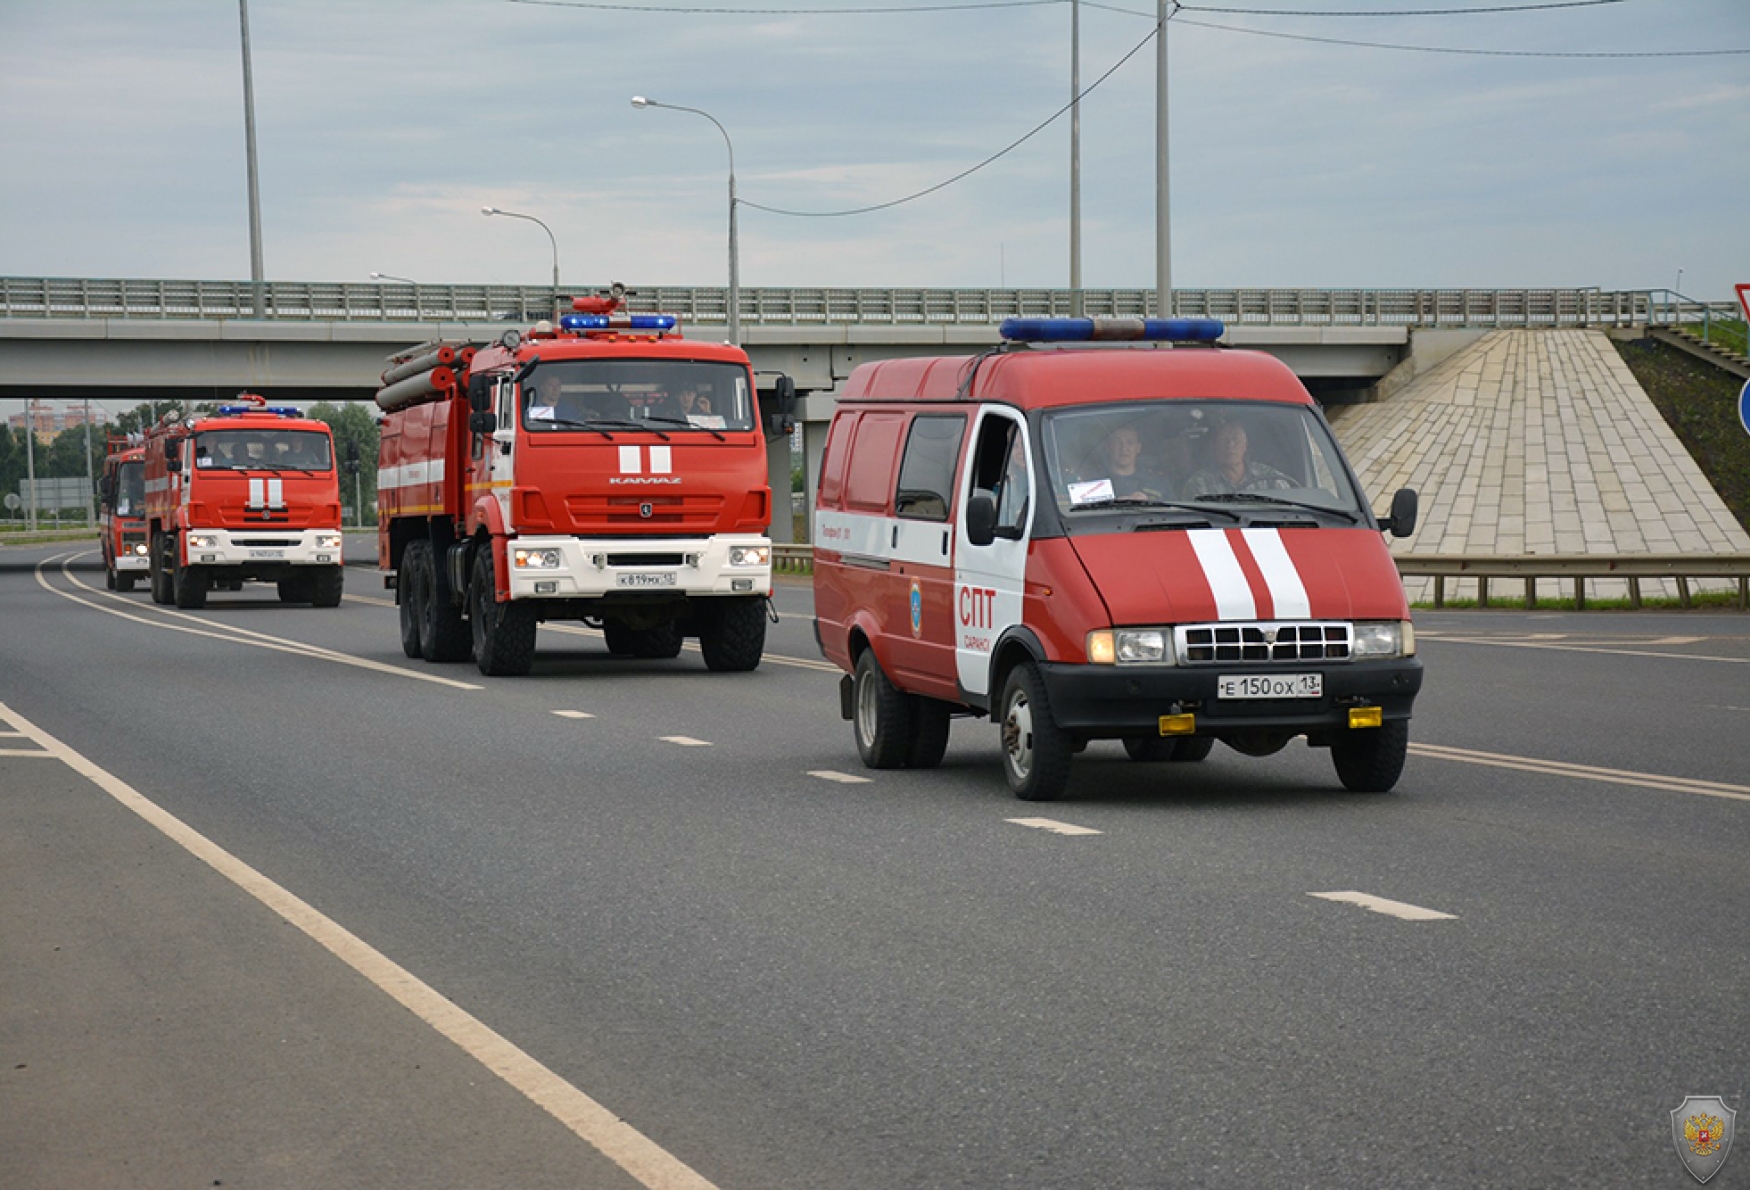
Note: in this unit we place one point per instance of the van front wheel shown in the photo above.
(1036, 751)
(884, 717)
(1370, 759)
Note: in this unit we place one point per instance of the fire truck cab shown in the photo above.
(1146, 542)
(121, 516)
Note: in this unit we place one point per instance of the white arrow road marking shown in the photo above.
(685, 741)
(1390, 908)
(1054, 826)
(574, 714)
(841, 778)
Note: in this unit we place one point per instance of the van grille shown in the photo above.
(1261, 643)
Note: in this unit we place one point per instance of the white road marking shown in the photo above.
(230, 634)
(574, 714)
(693, 647)
(1531, 644)
(685, 741)
(24, 752)
(1054, 826)
(591, 1122)
(841, 778)
(12, 735)
(1584, 772)
(1389, 908)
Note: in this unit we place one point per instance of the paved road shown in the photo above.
(515, 923)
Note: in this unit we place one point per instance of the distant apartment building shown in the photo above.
(46, 421)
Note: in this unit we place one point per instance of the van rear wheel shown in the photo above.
(883, 718)
(1036, 751)
(929, 737)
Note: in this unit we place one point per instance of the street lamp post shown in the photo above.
(734, 246)
(257, 273)
(543, 226)
(1163, 227)
(404, 280)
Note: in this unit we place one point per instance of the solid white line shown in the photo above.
(574, 714)
(1584, 772)
(1527, 644)
(25, 752)
(1389, 908)
(1052, 825)
(841, 778)
(615, 1139)
(685, 741)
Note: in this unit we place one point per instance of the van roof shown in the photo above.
(1047, 378)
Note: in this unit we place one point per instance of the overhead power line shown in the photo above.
(1434, 49)
(790, 12)
(1404, 12)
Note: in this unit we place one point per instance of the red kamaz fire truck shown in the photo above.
(248, 493)
(605, 470)
(121, 517)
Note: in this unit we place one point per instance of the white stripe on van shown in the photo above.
(1227, 582)
(1287, 592)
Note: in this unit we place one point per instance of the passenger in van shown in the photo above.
(1123, 453)
(1011, 489)
(1230, 470)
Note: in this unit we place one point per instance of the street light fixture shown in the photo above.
(393, 277)
(544, 227)
(734, 246)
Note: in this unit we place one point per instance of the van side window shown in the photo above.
(926, 475)
(1000, 468)
(869, 471)
(833, 456)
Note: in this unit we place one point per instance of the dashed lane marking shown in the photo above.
(1054, 826)
(650, 1164)
(685, 741)
(574, 714)
(1584, 772)
(1573, 648)
(229, 633)
(841, 778)
(1400, 909)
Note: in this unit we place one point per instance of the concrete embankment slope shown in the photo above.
(1536, 442)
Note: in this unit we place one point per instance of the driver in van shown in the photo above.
(1122, 453)
(1230, 470)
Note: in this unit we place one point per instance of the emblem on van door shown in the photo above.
(645, 509)
(917, 608)
(1701, 1128)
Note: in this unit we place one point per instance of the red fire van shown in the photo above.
(1153, 542)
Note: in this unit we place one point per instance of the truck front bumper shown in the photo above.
(262, 548)
(590, 568)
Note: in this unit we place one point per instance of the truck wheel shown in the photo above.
(443, 634)
(929, 737)
(1151, 749)
(297, 589)
(884, 717)
(124, 582)
(189, 587)
(1036, 751)
(327, 586)
(1370, 759)
(157, 568)
(733, 635)
(408, 594)
(108, 576)
(504, 633)
(1192, 748)
(660, 642)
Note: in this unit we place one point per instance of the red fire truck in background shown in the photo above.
(604, 470)
(249, 493)
(121, 518)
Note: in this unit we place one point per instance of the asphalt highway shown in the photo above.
(281, 908)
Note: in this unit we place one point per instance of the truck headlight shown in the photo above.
(1387, 638)
(749, 555)
(1130, 646)
(202, 541)
(140, 549)
(536, 559)
(327, 541)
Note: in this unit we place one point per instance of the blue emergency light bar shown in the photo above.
(625, 322)
(235, 410)
(1094, 330)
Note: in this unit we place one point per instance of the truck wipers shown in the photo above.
(681, 421)
(601, 425)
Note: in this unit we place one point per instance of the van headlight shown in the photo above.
(1385, 638)
(536, 559)
(1130, 646)
(749, 555)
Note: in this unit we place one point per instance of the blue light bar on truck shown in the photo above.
(236, 410)
(1094, 330)
(625, 322)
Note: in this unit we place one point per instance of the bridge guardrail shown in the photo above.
(1526, 568)
(344, 301)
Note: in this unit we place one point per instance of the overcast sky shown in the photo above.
(385, 125)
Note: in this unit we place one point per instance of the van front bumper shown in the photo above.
(1103, 701)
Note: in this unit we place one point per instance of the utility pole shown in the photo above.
(1163, 227)
(90, 480)
(30, 462)
(257, 274)
(1075, 158)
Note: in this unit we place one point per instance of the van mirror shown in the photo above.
(1402, 521)
(981, 517)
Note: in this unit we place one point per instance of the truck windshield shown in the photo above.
(1232, 459)
(130, 489)
(622, 394)
(263, 450)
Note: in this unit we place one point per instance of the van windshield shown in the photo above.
(1236, 459)
(630, 394)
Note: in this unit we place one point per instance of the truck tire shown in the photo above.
(297, 589)
(407, 595)
(124, 582)
(733, 634)
(108, 575)
(327, 586)
(443, 633)
(504, 633)
(1036, 751)
(882, 717)
(1151, 749)
(1192, 748)
(157, 569)
(929, 736)
(1370, 759)
(661, 642)
(189, 587)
